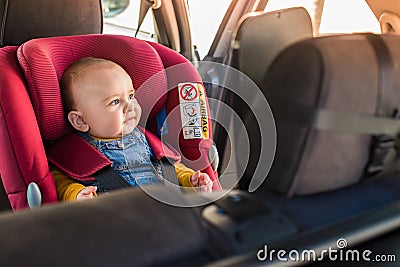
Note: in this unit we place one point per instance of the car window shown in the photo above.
(355, 16)
(338, 16)
(205, 16)
(126, 22)
(282, 4)
(204, 21)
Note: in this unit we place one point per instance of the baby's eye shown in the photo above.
(131, 96)
(114, 102)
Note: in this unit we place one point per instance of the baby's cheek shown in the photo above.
(138, 110)
(114, 126)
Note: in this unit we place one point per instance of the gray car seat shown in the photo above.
(257, 40)
(333, 100)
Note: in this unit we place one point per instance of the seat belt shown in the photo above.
(385, 102)
(383, 151)
(145, 5)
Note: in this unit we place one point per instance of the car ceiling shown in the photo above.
(381, 6)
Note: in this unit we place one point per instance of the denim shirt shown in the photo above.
(131, 156)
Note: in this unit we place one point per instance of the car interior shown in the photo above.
(326, 169)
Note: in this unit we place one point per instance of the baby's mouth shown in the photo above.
(127, 120)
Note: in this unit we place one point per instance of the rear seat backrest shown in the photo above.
(261, 36)
(23, 20)
(339, 75)
(258, 39)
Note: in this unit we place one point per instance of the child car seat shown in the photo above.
(43, 62)
(22, 20)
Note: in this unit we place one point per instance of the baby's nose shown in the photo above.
(128, 106)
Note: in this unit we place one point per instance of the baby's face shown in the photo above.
(106, 100)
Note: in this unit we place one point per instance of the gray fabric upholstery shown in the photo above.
(22, 20)
(260, 38)
(337, 73)
(124, 228)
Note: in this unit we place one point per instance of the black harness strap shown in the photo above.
(168, 170)
(169, 174)
(4, 201)
(111, 180)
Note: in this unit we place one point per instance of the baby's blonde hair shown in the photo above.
(75, 74)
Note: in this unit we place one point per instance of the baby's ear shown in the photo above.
(77, 121)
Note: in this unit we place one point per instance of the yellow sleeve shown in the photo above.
(67, 188)
(184, 173)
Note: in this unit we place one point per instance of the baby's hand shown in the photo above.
(201, 181)
(86, 193)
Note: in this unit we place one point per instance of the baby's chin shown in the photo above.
(127, 130)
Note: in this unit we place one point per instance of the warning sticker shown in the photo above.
(193, 108)
(188, 92)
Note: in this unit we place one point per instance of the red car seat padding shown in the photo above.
(44, 60)
(22, 157)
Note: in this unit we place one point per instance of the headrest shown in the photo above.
(23, 20)
(255, 49)
(43, 62)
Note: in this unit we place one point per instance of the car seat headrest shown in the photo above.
(254, 50)
(23, 20)
(43, 62)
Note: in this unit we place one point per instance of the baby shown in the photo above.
(99, 99)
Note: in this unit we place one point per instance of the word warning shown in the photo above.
(193, 107)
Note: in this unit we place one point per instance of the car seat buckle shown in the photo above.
(383, 151)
